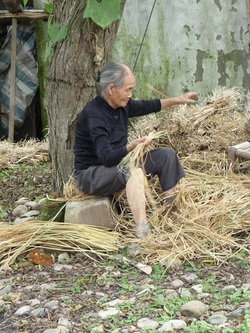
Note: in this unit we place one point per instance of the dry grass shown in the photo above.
(31, 152)
(20, 239)
(210, 217)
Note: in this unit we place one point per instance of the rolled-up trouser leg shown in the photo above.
(164, 163)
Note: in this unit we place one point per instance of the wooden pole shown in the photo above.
(13, 80)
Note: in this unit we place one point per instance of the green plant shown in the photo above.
(103, 13)
(209, 285)
(158, 272)
(245, 326)
(56, 33)
(200, 327)
(240, 295)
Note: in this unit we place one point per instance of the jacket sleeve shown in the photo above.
(138, 108)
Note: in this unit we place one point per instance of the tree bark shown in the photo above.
(70, 80)
(13, 6)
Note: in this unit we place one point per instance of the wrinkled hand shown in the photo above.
(146, 140)
(188, 98)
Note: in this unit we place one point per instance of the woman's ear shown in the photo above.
(110, 89)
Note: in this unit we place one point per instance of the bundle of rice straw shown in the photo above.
(30, 151)
(19, 239)
(210, 217)
(215, 124)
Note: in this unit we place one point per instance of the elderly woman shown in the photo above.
(101, 143)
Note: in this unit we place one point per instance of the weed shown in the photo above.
(200, 327)
(158, 272)
(126, 286)
(209, 285)
(240, 295)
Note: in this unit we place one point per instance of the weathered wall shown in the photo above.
(190, 45)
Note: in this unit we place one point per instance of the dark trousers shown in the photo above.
(104, 181)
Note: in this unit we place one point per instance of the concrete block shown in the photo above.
(94, 211)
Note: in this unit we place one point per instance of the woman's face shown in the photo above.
(119, 97)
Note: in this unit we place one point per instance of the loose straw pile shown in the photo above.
(210, 217)
(31, 151)
(16, 240)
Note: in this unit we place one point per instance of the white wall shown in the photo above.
(190, 45)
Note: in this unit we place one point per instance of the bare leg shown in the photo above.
(135, 190)
(169, 194)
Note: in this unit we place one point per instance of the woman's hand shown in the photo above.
(146, 140)
(187, 98)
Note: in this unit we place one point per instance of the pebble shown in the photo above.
(172, 325)
(108, 312)
(193, 309)
(19, 210)
(217, 319)
(23, 310)
(147, 323)
(177, 283)
(37, 301)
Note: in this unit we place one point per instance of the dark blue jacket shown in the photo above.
(101, 131)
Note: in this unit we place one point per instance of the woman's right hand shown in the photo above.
(133, 144)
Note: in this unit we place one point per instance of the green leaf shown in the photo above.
(57, 33)
(48, 8)
(103, 12)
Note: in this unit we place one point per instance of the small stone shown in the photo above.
(51, 304)
(52, 330)
(108, 312)
(47, 286)
(217, 319)
(191, 277)
(38, 312)
(5, 290)
(23, 219)
(196, 289)
(229, 289)
(246, 286)
(171, 293)
(185, 292)
(98, 329)
(33, 205)
(33, 302)
(63, 321)
(63, 258)
(193, 309)
(172, 325)
(177, 283)
(21, 201)
(60, 267)
(30, 213)
(19, 210)
(23, 310)
(147, 324)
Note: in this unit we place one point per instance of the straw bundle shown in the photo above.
(31, 151)
(135, 158)
(210, 217)
(19, 239)
(207, 218)
(215, 124)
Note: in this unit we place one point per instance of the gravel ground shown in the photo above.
(74, 294)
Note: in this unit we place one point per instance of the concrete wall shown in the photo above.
(190, 45)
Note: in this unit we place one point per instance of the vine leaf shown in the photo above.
(103, 12)
(57, 33)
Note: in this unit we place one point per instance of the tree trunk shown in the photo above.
(13, 6)
(70, 82)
